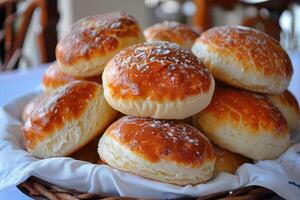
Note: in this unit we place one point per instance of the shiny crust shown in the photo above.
(31, 105)
(161, 139)
(157, 71)
(172, 31)
(245, 58)
(67, 119)
(254, 110)
(289, 107)
(227, 161)
(63, 105)
(158, 79)
(89, 43)
(168, 151)
(240, 121)
(54, 78)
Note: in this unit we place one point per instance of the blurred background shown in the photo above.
(30, 28)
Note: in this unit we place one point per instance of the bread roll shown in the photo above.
(91, 42)
(244, 123)
(67, 119)
(172, 31)
(31, 105)
(54, 78)
(159, 80)
(245, 58)
(167, 151)
(227, 161)
(289, 107)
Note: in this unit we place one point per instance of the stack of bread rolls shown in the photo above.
(251, 112)
(178, 125)
(72, 113)
(155, 83)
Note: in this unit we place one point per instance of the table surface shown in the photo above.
(17, 83)
(13, 85)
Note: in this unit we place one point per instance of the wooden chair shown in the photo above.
(204, 16)
(14, 25)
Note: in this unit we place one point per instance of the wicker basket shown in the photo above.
(39, 189)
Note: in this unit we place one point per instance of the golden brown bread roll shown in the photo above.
(244, 123)
(67, 119)
(31, 105)
(54, 78)
(159, 80)
(172, 31)
(167, 151)
(227, 161)
(289, 107)
(245, 58)
(91, 42)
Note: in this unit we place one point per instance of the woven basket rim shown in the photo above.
(40, 189)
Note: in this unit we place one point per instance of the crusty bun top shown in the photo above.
(54, 77)
(172, 31)
(155, 139)
(255, 111)
(251, 47)
(96, 36)
(64, 105)
(156, 70)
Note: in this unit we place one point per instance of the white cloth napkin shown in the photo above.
(16, 165)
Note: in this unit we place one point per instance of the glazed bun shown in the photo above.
(91, 42)
(67, 119)
(245, 58)
(31, 105)
(289, 107)
(227, 161)
(167, 151)
(171, 31)
(244, 123)
(54, 78)
(159, 80)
